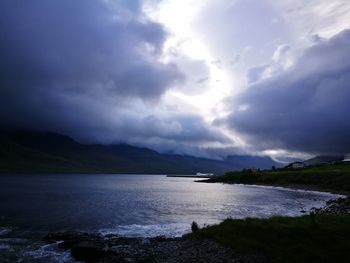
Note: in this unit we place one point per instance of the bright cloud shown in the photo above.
(174, 75)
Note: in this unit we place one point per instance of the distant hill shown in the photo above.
(29, 152)
(243, 161)
(323, 159)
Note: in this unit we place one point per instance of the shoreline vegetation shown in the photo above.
(333, 178)
(315, 238)
(321, 236)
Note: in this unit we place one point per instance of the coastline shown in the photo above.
(92, 247)
(198, 246)
(192, 247)
(203, 245)
(339, 205)
(332, 178)
(302, 187)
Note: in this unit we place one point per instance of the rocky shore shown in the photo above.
(92, 247)
(335, 207)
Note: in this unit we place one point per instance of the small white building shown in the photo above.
(204, 174)
(297, 165)
(347, 158)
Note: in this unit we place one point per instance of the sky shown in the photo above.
(206, 78)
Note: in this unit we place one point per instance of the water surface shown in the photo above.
(129, 205)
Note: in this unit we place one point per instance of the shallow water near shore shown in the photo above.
(126, 205)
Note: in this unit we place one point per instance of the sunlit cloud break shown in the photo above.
(205, 78)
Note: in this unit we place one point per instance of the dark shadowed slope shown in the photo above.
(49, 152)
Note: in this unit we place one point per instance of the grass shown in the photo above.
(326, 177)
(317, 238)
(310, 238)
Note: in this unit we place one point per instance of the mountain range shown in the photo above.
(44, 152)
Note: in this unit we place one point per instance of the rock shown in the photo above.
(90, 247)
(338, 206)
(88, 252)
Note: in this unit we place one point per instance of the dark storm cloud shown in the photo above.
(91, 70)
(306, 108)
(82, 45)
(56, 51)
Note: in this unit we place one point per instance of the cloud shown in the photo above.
(92, 70)
(108, 71)
(304, 108)
(315, 17)
(96, 47)
(195, 71)
(177, 133)
(257, 73)
(79, 45)
(282, 55)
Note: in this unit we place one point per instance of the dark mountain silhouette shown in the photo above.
(30, 152)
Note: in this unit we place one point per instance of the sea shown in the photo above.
(33, 205)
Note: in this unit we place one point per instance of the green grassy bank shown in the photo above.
(310, 238)
(334, 178)
(317, 238)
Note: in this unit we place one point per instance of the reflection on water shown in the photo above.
(92, 202)
(131, 205)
